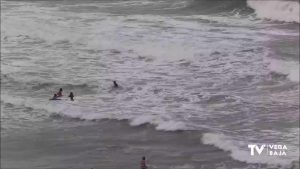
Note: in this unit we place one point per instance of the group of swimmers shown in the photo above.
(71, 95)
(59, 94)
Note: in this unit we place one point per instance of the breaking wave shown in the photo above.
(277, 10)
(287, 11)
(68, 109)
(288, 68)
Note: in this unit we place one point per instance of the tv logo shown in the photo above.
(253, 147)
(268, 149)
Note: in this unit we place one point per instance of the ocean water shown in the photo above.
(199, 81)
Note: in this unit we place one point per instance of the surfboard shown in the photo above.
(54, 99)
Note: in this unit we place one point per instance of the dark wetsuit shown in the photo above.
(71, 96)
(116, 84)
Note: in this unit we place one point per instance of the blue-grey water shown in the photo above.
(199, 81)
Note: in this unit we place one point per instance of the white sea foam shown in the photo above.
(185, 166)
(160, 123)
(289, 68)
(170, 126)
(141, 120)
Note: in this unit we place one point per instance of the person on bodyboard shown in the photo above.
(54, 97)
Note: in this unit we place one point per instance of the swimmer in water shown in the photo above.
(143, 163)
(116, 84)
(71, 96)
(59, 93)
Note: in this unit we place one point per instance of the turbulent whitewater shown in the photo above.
(208, 75)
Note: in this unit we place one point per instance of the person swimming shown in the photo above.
(116, 84)
(143, 163)
(59, 93)
(71, 96)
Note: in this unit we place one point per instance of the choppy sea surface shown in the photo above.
(199, 81)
